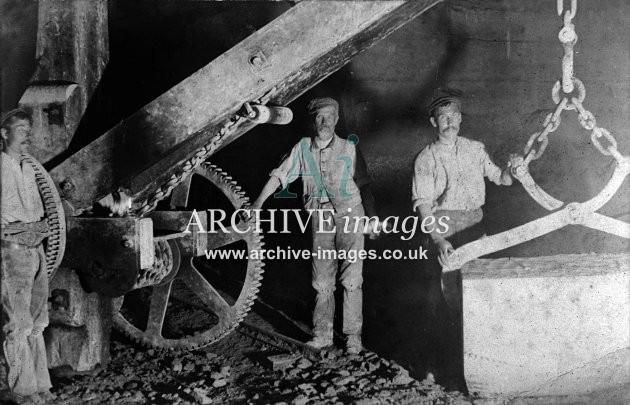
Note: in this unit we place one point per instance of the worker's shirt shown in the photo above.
(451, 177)
(20, 200)
(333, 173)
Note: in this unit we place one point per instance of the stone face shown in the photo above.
(547, 325)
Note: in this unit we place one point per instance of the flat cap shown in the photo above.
(317, 104)
(444, 96)
(7, 115)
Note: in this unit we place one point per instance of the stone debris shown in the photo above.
(201, 396)
(281, 361)
(239, 370)
(304, 363)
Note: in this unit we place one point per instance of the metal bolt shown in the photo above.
(67, 187)
(256, 61)
(575, 213)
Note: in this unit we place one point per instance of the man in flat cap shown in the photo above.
(336, 186)
(24, 280)
(449, 175)
(448, 181)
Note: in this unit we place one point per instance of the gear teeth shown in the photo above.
(254, 275)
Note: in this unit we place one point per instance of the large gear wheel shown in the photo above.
(185, 310)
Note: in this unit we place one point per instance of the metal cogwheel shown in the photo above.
(55, 243)
(177, 305)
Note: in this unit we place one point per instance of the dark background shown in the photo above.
(503, 55)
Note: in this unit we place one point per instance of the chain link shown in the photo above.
(555, 93)
(552, 122)
(568, 38)
(560, 5)
(588, 122)
(190, 165)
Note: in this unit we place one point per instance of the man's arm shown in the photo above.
(444, 247)
(423, 195)
(270, 187)
(279, 177)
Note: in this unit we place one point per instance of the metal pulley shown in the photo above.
(262, 114)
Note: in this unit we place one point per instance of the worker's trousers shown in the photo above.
(328, 246)
(24, 295)
(445, 321)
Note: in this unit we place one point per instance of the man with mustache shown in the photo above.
(336, 186)
(24, 280)
(449, 175)
(448, 181)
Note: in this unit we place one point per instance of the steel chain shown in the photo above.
(560, 5)
(552, 122)
(555, 93)
(190, 165)
(569, 82)
(588, 122)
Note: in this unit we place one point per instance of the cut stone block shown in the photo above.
(555, 325)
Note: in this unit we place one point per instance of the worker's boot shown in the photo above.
(13, 398)
(47, 396)
(320, 342)
(353, 344)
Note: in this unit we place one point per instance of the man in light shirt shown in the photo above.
(449, 176)
(335, 185)
(24, 282)
(448, 181)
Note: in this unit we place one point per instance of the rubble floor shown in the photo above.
(237, 370)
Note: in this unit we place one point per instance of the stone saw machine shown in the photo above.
(139, 271)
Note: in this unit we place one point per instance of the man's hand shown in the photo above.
(444, 249)
(246, 216)
(374, 229)
(514, 161)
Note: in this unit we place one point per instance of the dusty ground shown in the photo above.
(237, 370)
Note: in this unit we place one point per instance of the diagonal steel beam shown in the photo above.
(296, 50)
